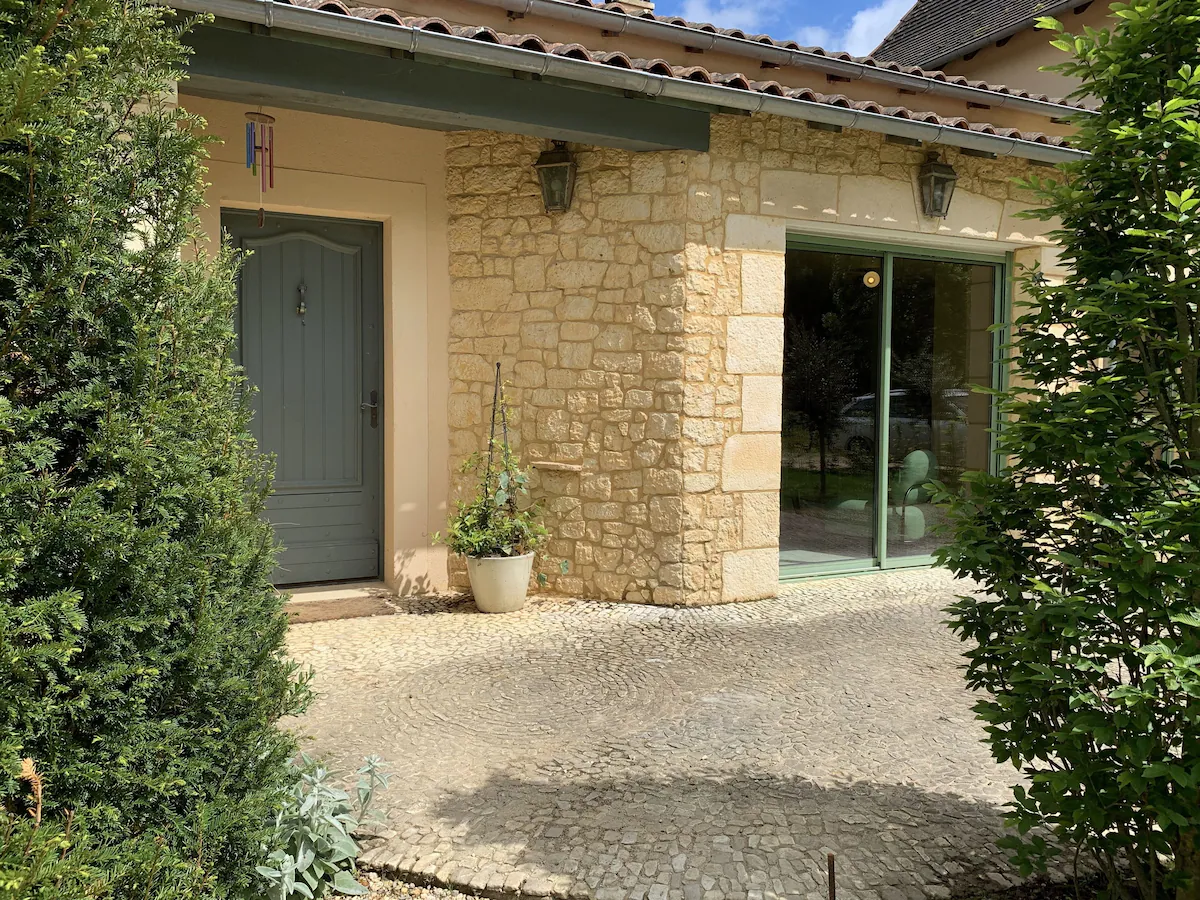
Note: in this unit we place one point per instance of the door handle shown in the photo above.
(373, 406)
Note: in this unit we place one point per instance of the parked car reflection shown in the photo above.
(914, 424)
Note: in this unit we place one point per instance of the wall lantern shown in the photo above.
(937, 186)
(556, 172)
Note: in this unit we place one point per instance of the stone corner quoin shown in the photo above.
(642, 335)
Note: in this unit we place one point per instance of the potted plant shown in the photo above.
(499, 531)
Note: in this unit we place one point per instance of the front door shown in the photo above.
(310, 323)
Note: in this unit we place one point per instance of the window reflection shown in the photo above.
(936, 426)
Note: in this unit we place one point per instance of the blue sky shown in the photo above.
(856, 25)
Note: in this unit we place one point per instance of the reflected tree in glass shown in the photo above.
(823, 381)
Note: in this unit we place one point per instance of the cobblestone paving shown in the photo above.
(579, 749)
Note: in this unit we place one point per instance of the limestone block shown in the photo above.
(879, 202)
(578, 307)
(700, 482)
(760, 520)
(464, 234)
(529, 273)
(666, 514)
(553, 425)
(528, 374)
(602, 512)
(762, 403)
(595, 487)
(574, 356)
(575, 273)
(663, 481)
(754, 345)
(663, 365)
(662, 426)
(480, 293)
(744, 232)
(627, 208)
(805, 196)
(749, 574)
(647, 173)
(972, 215)
(615, 337)
(464, 410)
(750, 462)
(704, 202)
(541, 335)
(660, 238)
(762, 283)
(552, 398)
(1021, 230)
(579, 331)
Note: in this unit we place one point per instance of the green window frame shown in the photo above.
(1001, 324)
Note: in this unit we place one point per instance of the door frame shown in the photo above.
(1001, 329)
(416, 473)
(300, 219)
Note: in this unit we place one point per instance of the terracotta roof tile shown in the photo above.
(537, 44)
(903, 65)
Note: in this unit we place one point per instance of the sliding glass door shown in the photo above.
(881, 350)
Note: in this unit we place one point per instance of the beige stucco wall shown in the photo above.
(642, 331)
(1018, 62)
(330, 166)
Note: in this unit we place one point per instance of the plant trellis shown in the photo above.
(499, 411)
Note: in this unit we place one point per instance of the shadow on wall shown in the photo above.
(407, 585)
(724, 834)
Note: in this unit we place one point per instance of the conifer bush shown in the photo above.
(141, 643)
(1086, 646)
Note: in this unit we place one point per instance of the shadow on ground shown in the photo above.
(718, 834)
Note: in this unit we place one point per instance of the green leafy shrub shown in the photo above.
(493, 522)
(1087, 642)
(44, 857)
(500, 520)
(313, 844)
(141, 642)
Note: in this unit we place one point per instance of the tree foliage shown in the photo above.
(1088, 543)
(141, 642)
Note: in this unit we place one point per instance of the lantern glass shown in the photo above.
(937, 187)
(556, 172)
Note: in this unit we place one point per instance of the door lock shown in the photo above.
(373, 406)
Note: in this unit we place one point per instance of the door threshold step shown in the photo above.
(331, 602)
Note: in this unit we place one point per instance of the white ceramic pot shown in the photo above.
(499, 583)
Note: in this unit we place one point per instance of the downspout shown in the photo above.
(466, 50)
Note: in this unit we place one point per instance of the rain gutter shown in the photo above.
(269, 14)
(620, 24)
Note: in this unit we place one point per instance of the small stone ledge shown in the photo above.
(547, 466)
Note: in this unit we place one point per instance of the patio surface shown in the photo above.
(580, 749)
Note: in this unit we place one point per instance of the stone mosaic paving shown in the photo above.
(579, 749)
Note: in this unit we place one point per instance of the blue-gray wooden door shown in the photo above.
(310, 322)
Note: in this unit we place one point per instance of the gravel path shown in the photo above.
(590, 750)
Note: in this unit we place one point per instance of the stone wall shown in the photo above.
(642, 334)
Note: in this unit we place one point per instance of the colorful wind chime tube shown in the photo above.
(250, 145)
(271, 151)
(262, 169)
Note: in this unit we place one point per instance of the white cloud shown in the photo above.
(866, 29)
(815, 36)
(871, 25)
(745, 14)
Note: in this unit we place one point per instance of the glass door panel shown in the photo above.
(937, 427)
(831, 371)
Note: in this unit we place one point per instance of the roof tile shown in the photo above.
(537, 44)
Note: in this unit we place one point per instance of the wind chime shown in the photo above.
(260, 154)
